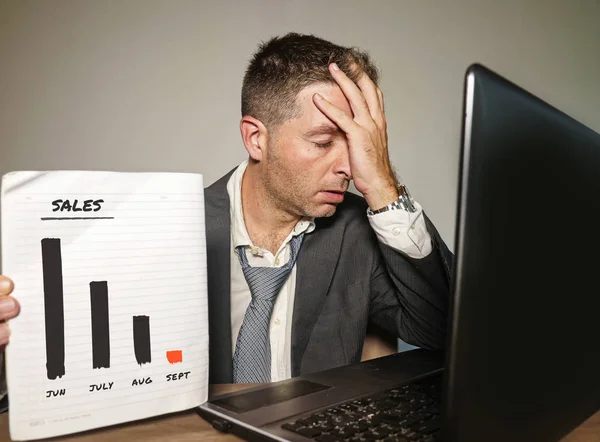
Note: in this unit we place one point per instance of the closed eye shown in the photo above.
(323, 145)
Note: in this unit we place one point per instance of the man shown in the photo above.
(297, 267)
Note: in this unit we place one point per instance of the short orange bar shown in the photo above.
(174, 356)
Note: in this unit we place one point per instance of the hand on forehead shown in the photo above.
(364, 98)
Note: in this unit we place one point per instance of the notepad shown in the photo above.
(110, 272)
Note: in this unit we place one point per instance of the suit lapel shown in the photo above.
(315, 266)
(218, 244)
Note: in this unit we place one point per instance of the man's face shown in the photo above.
(307, 167)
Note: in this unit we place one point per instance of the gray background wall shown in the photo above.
(148, 85)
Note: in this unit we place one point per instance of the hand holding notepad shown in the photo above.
(110, 272)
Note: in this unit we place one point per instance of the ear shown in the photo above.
(255, 137)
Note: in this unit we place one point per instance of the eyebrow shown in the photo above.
(323, 129)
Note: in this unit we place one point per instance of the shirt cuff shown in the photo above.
(403, 231)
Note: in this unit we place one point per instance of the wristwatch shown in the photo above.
(404, 202)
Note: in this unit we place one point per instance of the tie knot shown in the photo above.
(266, 282)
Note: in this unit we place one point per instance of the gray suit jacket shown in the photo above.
(346, 279)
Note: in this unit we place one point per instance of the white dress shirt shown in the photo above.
(404, 231)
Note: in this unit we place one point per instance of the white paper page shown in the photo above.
(123, 275)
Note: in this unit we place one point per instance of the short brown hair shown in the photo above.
(283, 66)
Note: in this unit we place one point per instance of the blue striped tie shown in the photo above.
(252, 357)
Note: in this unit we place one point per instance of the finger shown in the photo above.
(335, 114)
(370, 91)
(4, 335)
(381, 100)
(6, 286)
(355, 97)
(9, 308)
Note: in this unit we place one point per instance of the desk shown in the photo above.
(188, 426)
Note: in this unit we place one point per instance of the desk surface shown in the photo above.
(188, 426)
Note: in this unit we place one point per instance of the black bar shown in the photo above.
(141, 339)
(54, 314)
(100, 330)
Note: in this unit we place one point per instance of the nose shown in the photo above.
(342, 163)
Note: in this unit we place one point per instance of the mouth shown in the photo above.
(333, 196)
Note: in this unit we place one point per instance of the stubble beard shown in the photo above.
(289, 190)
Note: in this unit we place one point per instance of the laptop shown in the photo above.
(522, 361)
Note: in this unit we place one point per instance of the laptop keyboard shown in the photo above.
(407, 413)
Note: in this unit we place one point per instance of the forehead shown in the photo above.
(311, 115)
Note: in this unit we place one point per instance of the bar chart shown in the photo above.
(100, 319)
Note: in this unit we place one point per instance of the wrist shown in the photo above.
(381, 197)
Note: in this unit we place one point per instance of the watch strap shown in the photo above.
(404, 202)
